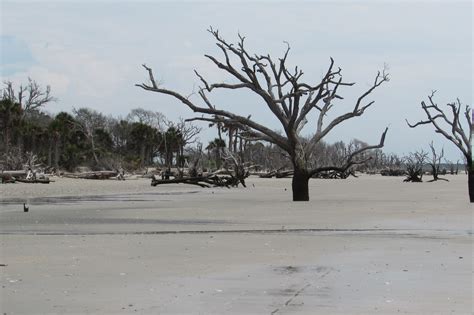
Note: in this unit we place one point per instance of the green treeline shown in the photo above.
(85, 137)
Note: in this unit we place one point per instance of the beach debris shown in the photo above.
(34, 180)
(278, 173)
(30, 176)
(7, 178)
(414, 166)
(220, 178)
(93, 175)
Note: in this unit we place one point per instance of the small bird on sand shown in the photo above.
(25, 208)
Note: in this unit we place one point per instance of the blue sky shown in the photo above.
(91, 52)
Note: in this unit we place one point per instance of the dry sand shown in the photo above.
(372, 245)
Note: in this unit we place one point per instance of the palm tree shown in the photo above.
(216, 146)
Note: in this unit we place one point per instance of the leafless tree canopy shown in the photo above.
(154, 119)
(29, 97)
(414, 163)
(454, 127)
(87, 122)
(285, 94)
(435, 162)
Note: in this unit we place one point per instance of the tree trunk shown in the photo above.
(91, 139)
(231, 137)
(300, 185)
(50, 152)
(470, 183)
(57, 154)
(142, 155)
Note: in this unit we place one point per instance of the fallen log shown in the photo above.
(208, 181)
(33, 181)
(92, 175)
(15, 173)
(267, 175)
(284, 174)
(277, 174)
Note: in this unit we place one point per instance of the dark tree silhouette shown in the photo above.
(435, 163)
(452, 128)
(414, 163)
(286, 96)
(15, 105)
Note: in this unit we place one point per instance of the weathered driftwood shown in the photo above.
(284, 174)
(15, 173)
(212, 180)
(335, 174)
(92, 175)
(34, 181)
(277, 173)
(330, 174)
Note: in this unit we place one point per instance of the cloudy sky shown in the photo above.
(90, 53)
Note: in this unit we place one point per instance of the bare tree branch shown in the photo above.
(450, 127)
(350, 160)
(282, 91)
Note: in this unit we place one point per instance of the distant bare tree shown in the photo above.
(453, 129)
(30, 97)
(15, 105)
(153, 119)
(435, 163)
(87, 121)
(414, 163)
(195, 155)
(187, 135)
(287, 98)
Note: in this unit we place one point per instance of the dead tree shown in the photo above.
(453, 129)
(87, 121)
(239, 170)
(286, 96)
(195, 160)
(188, 135)
(414, 163)
(16, 105)
(435, 163)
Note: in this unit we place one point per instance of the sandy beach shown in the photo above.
(368, 245)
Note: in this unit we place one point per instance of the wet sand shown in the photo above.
(371, 245)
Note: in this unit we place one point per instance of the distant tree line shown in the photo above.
(85, 137)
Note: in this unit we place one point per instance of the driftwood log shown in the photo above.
(92, 175)
(21, 176)
(335, 174)
(277, 173)
(17, 173)
(212, 180)
(34, 181)
(330, 174)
